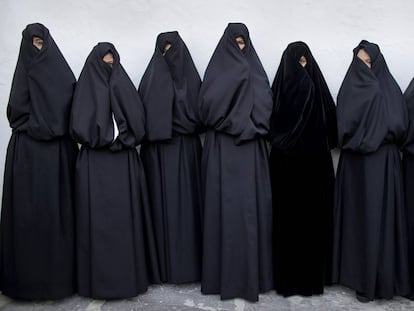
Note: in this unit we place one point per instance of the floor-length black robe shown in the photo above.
(408, 171)
(302, 131)
(370, 236)
(171, 156)
(235, 106)
(36, 230)
(115, 245)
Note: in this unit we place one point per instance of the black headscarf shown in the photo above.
(303, 104)
(409, 98)
(371, 109)
(42, 88)
(104, 89)
(169, 90)
(235, 97)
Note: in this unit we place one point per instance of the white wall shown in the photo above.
(332, 28)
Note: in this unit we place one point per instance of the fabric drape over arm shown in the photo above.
(235, 97)
(409, 98)
(102, 90)
(42, 88)
(300, 94)
(169, 90)
(371, 108)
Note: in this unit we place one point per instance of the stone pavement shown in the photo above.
(188, 297)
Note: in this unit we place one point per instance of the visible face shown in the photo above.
(37, 42)
(240, 42)
(303, 61)
(363, 55)
(166, 48)
(108, 58)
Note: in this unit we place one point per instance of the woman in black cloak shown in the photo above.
(171, 156)
(408, 169)
(303, 130)
(235, 106)
(36, 232)
(370, 229)
(115, 244)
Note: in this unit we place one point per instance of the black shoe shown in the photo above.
(361, 298)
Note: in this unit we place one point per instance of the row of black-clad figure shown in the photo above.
(106, 222)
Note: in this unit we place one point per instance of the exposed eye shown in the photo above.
(303, 61)
(166, 48)
(108, 58)
(37, 42)
(367, 62)
(240, 41)
(364, 56)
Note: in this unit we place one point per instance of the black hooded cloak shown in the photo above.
(235, 106)
(370, 229)
(408, 170)
(115, 245)
(171, 156)
(36, 232)
(302, 131)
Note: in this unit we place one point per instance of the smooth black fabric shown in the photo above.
(235, 94)
(235, 106)
(371, 109)
(169, 90)
(116, 253)
(42, 89)
(303, 130)
(36, 231)
(408, 169)
(408, 145)
(171, 156)
(370, 236)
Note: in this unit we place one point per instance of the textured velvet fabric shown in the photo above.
(303, 130)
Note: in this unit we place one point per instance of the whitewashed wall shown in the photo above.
(332, 28)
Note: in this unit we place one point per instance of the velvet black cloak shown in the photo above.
(302, 132)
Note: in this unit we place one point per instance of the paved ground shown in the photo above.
(188, 297)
